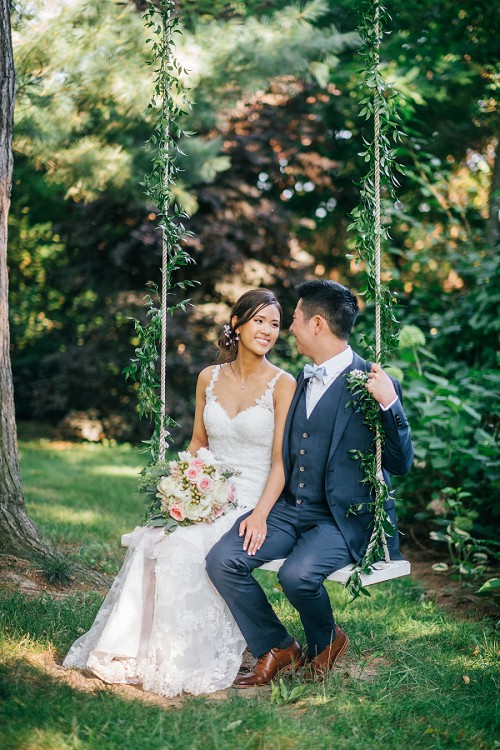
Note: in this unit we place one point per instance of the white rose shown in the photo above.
(204, 510)
(219, 493)
(166, 487)
(193, 511)
(174, 469)
(183, 498)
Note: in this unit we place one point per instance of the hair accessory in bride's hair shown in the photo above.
(229, 334)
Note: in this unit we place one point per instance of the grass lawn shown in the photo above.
(412, 677)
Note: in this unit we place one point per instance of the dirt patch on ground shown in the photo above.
(89, 683)
(453, 597)
(457, 598)
(25, 577)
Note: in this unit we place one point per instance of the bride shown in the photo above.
(162, 624)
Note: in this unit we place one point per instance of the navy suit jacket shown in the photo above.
(343, 474)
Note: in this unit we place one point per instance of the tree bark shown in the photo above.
(16, 530)
(18, 534)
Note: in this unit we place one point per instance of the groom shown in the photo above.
(312, 524)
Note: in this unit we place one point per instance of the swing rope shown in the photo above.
(378, 251)
(165, 248)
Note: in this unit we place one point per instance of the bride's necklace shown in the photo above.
(240, 382)
(242, 385)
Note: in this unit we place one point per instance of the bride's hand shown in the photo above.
(254, 529)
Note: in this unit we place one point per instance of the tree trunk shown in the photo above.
(18, 534)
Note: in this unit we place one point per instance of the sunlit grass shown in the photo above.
(84, 495)
(116, 471)
(412, 677)
(58, 513)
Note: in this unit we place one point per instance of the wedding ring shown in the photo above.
(259, 536)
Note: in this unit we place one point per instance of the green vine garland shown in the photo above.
(168, 105)
(382, 100)
(382, 523)
(379, 106)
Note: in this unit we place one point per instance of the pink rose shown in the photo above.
(177, 512)
(204, 483)
(231, 493)
(192, 473)
(219, 511)
(197, 463)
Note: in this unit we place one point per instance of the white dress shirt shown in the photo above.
(316, 387)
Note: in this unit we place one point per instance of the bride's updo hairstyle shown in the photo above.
(248, 305)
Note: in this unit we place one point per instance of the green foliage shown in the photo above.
(280, 693)
(73, 88)
(454, 414)
(468, 555)
(379, 105)
(148, 485)
(143, 371)
(56, 569)
(382, 524)
(158, 184)
(490, 588)
(287, 41)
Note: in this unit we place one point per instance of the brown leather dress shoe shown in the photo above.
(270, 665)
(326, 660)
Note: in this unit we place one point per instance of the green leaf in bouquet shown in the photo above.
(170, 524)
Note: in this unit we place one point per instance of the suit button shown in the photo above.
(299, 501)
(305, 434)
(301, 485)
(302, 468)
(302, 451)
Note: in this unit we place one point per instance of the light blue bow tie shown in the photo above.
(313, 371)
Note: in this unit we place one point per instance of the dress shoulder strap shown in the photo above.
(209, 392)
(266, 399)
(272, 383)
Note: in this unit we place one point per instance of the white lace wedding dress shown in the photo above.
(162, 624)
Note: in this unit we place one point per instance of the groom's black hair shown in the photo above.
(334, 302)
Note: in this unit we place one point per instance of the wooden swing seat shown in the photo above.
(381, 571)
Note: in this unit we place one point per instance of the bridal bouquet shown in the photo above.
(189, 489)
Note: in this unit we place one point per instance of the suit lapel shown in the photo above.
(343, 415)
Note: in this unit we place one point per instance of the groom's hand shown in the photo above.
(380, 386)
(254, 529)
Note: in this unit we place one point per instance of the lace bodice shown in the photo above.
(162, 624)
(243, 442)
